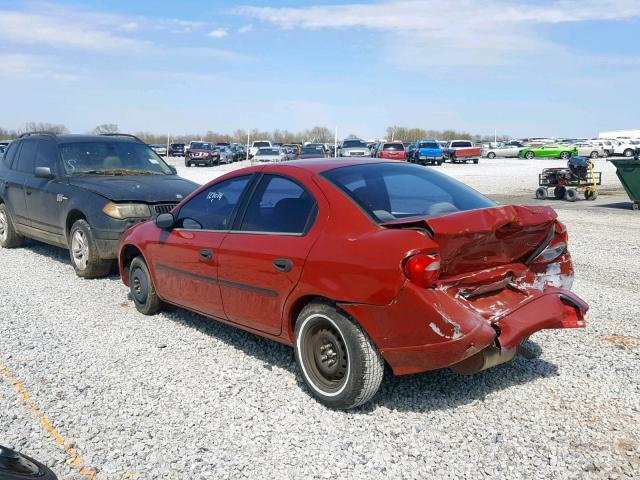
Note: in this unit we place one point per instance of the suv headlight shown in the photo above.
(127, 210)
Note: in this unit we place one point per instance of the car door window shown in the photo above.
(279, 205)
(47, 155)
(10, 154)
(27, 157)
(213, 208)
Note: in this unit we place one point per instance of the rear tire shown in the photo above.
(491, 155)
(338, 361)
(595, 155)
(8, 236)
(565, 155)
(84, 253)
(541, 193)
(143, 293)
(628, 153)
(571, 195)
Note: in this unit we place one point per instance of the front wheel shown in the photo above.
(339, 362)
(529, 155)
(84, 254)
(565, 155)
(541, 193)
(142, 290)
(8, 236)
(571, 195)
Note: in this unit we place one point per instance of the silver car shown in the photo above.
(226, 154)
(353, 148)
(269, 154)
(589, 149)
(502, 152)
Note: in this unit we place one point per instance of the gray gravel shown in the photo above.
(177, 396)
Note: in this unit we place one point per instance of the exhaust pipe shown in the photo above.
(487, 358)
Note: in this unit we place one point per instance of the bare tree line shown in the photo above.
(315, 134)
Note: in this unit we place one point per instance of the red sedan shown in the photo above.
(358, 263)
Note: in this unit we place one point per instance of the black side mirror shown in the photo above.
(165, 221)
(43, 172)
(173, 169)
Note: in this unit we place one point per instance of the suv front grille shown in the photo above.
(163, 208)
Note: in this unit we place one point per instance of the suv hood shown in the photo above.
(137, 188)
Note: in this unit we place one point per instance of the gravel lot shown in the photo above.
(177, 396)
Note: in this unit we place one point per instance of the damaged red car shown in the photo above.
(356, 264)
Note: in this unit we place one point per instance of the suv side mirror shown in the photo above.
(165, 221)
(43, 172)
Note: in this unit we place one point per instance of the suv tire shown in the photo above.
(84, 254)
(8, 236)
(339, 363)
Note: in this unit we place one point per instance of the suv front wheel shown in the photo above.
(8, 236)
(85, 257)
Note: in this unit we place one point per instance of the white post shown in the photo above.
(495, 135)
(335, 144)
(248, 141)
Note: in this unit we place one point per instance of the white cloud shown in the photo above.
(423, 34)
(245, 28)
(218, 33)
(35, 67)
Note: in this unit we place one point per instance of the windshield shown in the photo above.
(261, 144)
(354, 144)
(312, 150)
(112, 158)
(388, 192)
(268, 151)
(428, 145)
(200, 146)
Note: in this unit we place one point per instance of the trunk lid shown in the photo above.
(475, 240)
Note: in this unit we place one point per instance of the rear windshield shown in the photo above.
(428, 145)
(461, 144)
(111, 158)
(354, 144)
(261, 144)
(391, 191)
(396, 147)
(268, 151)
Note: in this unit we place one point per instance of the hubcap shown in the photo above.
(3, 226)
(80, 249)
(325, 355)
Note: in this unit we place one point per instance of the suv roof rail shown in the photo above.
(28, 134)
(121, 135)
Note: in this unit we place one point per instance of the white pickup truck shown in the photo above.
(257, 145)
(626, 148)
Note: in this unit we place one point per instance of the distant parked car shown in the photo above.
(548, 151)
(296, 148)
(427, 152)
(392, 151)
(81, 192)
(353, 148)
(311, 152)
(225, 154)
(159, 149)
(462, 151)
(289, 152)
(176, 150)
(258, 144)
(239, 152)
(625, 148)
(589, 150)
(201, 153)
(270, 154)
(503, 151)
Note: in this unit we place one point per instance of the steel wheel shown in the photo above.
(139, 285)
(4, 227)
(326, 357)
(80, 249)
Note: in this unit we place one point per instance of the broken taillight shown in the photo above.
(423, 269)
(556, 247)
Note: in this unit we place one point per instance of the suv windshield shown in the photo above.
(200, 146)
(261, 144)
(268, 151)
(111, 158)
(354, 144)
(391, 191)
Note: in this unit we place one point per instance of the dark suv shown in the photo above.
(176, 150)
(82, 192)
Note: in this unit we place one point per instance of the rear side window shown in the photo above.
(213, 208)
(393, 147)
(388, 192)
(279, 205)
(10, 154)
(27, 157)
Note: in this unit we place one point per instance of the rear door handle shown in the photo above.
(206, 255)
(283, 264)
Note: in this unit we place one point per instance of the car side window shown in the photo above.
(213, 208)
(279, 205)
(10, 153)
(47, 155)
(27, 157)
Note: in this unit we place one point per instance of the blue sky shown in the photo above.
(525, 68)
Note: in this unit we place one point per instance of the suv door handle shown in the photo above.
(283, 264)
(206, 255)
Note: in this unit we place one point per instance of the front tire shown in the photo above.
(491, 155)
(529, 155)
(594, 154)
(565, 155)
(143, 293)
(339, 363)
(541, 193)
(8, 236)
(84, 254)
(571, 195)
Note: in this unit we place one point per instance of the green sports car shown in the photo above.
(548, 151)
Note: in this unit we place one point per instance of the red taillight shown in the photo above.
(423, 269)
(556, 247)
